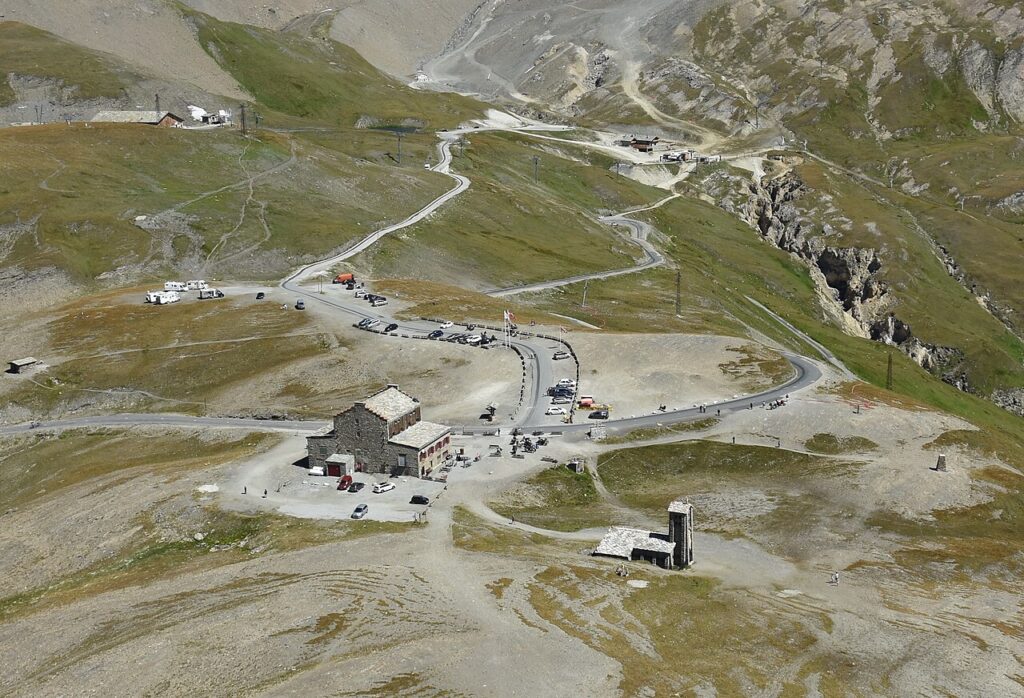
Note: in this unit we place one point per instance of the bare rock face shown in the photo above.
(1010, 400)
(848, 276)
(1010, 84)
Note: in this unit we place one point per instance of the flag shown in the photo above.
(510, 316)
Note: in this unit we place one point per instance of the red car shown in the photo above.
(344, 482)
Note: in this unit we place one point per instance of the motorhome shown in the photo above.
(196, 285)
(175, 286)
(162, 297)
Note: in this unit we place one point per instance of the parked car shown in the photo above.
(356, 486)
(260, 296)
(345, 482)
(360, 293)
(360, 511)
(561, 400)
(364, 322)
(446, 324)
(300, 304)
(567, 382)
(419, 499)
(599, 414)
(372, 323)
(473, 339)
(392, 327)
(435, 334)
(378, 301)
(382, 487)
(555, 410)
(559, 355)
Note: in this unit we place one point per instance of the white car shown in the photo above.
(555, 410)
(446, 324)
(560, 400)
(559, 355)
(381, 487)
(474, 339)
(569, 382)
(360, 293)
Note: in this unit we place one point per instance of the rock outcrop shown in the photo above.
(848, 277)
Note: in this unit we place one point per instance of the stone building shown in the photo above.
(152, 118)
(384, 433)
(674, 550)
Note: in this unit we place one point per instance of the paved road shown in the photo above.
(541, 369)
(640, 231)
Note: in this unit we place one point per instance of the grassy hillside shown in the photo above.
(508, 229)
(32, 53)
(317, 79)
(69, 197)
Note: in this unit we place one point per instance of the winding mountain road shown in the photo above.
(537, 351)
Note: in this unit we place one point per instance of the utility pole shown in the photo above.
(679, 301)
(536, 167)
(888, 374)
(157, 100)
(585, 285)
(399, 133)
(245, 125)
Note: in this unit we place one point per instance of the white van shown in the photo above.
(175, 286)
(377, 302)
(167, 297)
(196, 285)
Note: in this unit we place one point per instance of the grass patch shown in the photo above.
(969, 540)
(229, 538)
(83, 74)
(556, 499)
(757, 367)
(650, 433)
(38, 465)
(431, 299)
(498, 587)
(650, 477)
(473, 534)
(643, 629)
(166, 357)
(832, 445)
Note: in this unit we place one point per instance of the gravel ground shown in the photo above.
(636, 373)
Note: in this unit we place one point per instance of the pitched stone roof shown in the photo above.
(391, 403)
(420, 435)
(132, 117)
(620, 541)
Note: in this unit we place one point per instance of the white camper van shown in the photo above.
(162, 297)
(175, 286)
(196, 285)
(210, 293)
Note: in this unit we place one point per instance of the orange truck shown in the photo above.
(344, 278)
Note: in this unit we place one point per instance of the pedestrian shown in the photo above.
(837, 579)
(264, 494)
(718, 413)
(245, 490)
